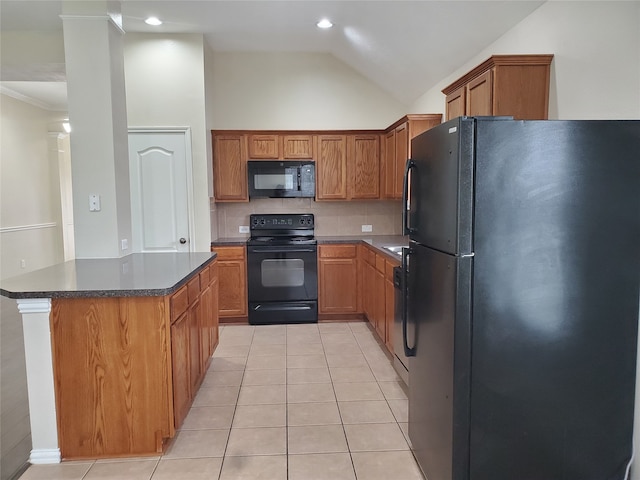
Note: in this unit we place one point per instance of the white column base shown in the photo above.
(44, 456)
(40, 386)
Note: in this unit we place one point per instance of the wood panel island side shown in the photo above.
(115, 350)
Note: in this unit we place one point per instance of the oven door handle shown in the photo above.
(279, 250)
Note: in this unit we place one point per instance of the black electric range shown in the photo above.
(282, 276)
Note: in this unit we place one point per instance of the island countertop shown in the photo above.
(135, 275)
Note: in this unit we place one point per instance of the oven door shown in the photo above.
(282, 284)
(282, 273)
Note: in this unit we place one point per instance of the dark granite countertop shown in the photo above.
(229, 242)
(136, 275)
(376, 241)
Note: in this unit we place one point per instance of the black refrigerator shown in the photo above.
(522, 298)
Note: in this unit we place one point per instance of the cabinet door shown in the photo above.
(233, 288)
(389, 308)
(379, 302)
(338, 279)
(364, 166)
(521, 91)
(206, 311)
(194, 320)
(402, 154)
(180, 360)
(480, 95)
(264, 146)
(298, 147)
(389, 165)
(230, 168)
(456, 103)
(213, 332)
(331, 168)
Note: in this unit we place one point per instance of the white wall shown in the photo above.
(30, 230)
(289, 91)
(595, 72)
(30, 215)
(164, 77)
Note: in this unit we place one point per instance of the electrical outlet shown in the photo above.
(243, 228)
(94, 203)
(23, 263)
(367, 228)
(124, 243)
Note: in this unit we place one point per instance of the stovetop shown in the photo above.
(282, 229)
(256, 241)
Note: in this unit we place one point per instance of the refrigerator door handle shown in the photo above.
(406, 228)
(408, 351)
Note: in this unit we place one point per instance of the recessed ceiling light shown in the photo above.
(155, 21)
(324, 23)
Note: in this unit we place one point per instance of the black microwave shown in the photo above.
(281, 179)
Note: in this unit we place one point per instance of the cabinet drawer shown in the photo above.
(337, 251)
(204, 277)
(179, 302)
(370, 256)
(213, 271)
(230, 253)
(193, 288)
(389, 269)
(380, 263)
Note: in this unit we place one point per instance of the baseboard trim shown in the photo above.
(44, 456)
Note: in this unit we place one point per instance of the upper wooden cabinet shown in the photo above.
(230, 168)
(363, 166)
(515, 85)
(331, 167)
(397, 149)
(264, 146)
(280, 146)
(297, 147)
(348, 166)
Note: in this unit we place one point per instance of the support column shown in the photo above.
(39, 362)
(98, 118)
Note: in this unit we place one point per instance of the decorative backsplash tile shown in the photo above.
(332, 218)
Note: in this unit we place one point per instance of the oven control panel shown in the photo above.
(281, 221)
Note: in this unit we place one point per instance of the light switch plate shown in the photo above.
(367, 228)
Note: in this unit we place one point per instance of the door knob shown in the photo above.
(183, 240)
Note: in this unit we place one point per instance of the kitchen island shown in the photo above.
(115, 350)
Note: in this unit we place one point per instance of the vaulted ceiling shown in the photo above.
(404, 47)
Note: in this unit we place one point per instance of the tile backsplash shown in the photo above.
(332, 218)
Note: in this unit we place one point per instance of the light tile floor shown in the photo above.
(281, 402)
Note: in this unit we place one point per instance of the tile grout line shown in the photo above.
(235, 407)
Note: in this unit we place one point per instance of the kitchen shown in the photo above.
(598, 97)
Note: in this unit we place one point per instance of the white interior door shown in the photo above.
(160, 190)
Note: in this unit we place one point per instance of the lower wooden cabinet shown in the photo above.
(232, 273)
(180, 368)
(337, 279)
(390, 303)
(126, 369)
(378, 293)
(192, 337)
